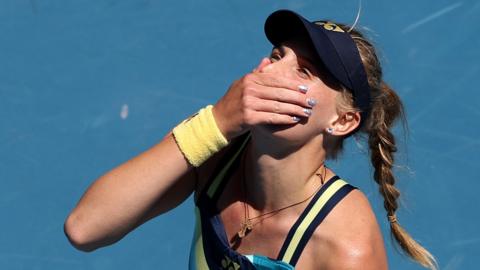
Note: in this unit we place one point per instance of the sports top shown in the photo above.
(210, 246)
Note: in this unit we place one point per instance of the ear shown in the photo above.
(345, 123)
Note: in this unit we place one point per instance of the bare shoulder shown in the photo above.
(351, 236)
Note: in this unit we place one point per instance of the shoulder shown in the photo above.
(351, 236)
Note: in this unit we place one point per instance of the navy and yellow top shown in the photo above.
(210, 247)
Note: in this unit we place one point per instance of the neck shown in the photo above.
(275, 177)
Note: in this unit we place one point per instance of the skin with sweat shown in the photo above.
(284, 154)
(284, 159)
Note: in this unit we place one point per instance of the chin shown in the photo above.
(286, 134)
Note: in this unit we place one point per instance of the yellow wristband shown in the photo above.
(198, 137)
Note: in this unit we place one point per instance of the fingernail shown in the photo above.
(307, 111)
(311, 102)
(303, 88)
(295, 118)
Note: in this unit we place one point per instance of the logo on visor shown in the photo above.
(330, 26)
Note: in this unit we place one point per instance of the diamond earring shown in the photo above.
(330, 130)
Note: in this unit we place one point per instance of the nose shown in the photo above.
(263, 63)
(282, 66)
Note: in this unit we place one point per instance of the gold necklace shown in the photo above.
(247, 224)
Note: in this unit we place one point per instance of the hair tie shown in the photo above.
(392, 218)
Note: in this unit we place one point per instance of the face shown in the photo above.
(295, 59)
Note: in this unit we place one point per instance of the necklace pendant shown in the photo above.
(247, 226)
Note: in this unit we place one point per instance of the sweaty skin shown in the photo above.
(281, 158)
(280, 162)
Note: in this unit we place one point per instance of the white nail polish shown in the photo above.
(311, 102)
(303, 88)
(307, 111)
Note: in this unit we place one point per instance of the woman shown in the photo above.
(256, 163)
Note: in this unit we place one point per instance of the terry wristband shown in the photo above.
(198, 137)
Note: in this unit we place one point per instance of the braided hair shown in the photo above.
(386, 108)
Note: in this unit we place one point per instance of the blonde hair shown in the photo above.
(386, 108)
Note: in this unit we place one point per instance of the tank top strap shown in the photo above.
(224, 169)
(316, 211)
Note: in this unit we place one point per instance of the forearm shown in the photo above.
(161, 178)
(119, 200)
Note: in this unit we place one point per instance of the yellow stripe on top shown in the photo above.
(218, 179)
(200, 262)
(317, 207)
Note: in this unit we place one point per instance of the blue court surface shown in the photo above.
(86, 85)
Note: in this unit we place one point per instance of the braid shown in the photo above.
(382, 148)
(386, 108)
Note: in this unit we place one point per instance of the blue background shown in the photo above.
(86, 85)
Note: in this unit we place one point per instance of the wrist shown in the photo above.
(199, 137)
(222, 124)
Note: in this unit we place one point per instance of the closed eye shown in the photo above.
(275, 57)
(305, 72)
(276, 54)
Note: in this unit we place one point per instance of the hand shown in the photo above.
(260, 98)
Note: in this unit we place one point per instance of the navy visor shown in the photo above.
(334, 47)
